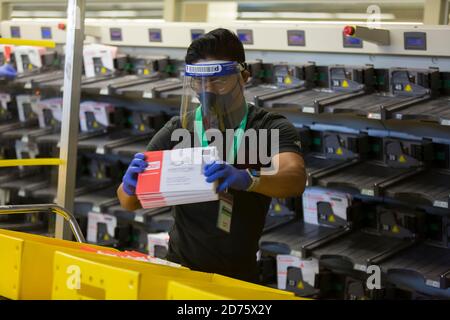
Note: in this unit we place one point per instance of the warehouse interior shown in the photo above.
(365, 84)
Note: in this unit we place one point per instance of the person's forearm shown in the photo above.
(287, 182)
(127, 202)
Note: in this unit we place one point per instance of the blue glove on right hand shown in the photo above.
(137, 165)
(7, 71)
(231, 176)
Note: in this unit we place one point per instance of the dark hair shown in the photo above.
(219, 43)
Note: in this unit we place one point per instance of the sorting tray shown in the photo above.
(6, 127)
(103, 86)
(316, 162)
(376, 106)
(168, 94)
(97, 201)
(307, 101)
(83, 185)
(103, 143)
(26, 185)
(148, 90)
(361, 248)
(291, 237)
(252, 92)
(362, 177)
(131, 149)
(8, 174)
(436, 110)
(58, 83)
(32, 132)
(429, 262)
(429, 187)
(37, 79)
(265, 92)
(155, 220)
(54, 138)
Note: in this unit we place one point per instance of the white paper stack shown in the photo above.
(175, 177)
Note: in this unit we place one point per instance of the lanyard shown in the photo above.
(238, 133)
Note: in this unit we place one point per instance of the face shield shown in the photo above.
(213, 94)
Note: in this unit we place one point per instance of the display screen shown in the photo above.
(15, 32)
(296, 38)
(116, 34)
(352, 42)
(246, 36)
(154, 35)
(415, 40)
(197, 33)
(46, 33)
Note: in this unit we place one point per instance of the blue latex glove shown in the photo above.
(7, 71)
(137, 165)
(231, 177)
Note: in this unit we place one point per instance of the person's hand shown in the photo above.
(231, 177)
(7, 71)
(129, 181)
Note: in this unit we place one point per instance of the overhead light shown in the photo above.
(311, 15)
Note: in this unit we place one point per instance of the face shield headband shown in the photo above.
(216, 89)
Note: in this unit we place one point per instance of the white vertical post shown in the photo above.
(70, 116)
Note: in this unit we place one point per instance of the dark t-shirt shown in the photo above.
(195, 240)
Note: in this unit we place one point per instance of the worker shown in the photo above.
(7, 71)
(197, 241)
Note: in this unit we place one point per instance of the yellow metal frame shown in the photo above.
(31, 162)
(26, 42)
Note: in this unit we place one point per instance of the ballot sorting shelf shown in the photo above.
(311, 101)
(374, 106)
(435, 110)
(104, 143)
(13, 125)
(430, 263)
(292, 238)
(131, 149)
(35, 81)
(83, 185)
(151, 89)
(106, 86)
(316, 162)
(57, 84)
(258, 94)
(26, 133)
(8, 174)
(55, 138)
(25, 185)
(429, 187)
(98, 201)
(359, 248)
(155, 220)
(361, 177)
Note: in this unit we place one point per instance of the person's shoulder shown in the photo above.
(263, 118)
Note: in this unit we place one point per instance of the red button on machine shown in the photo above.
(349, 30)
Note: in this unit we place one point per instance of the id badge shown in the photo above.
(225, 212)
